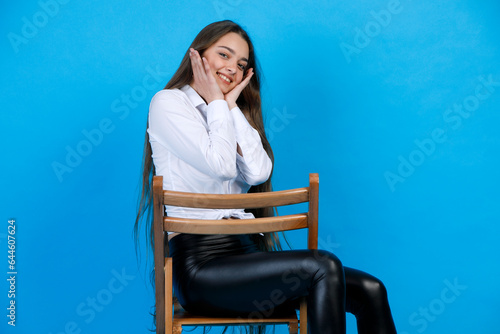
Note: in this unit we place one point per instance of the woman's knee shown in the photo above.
(328, 265)
(374, 288)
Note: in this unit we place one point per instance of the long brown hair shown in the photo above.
(249, 102)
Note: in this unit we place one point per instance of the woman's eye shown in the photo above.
(222, 54)
(242, 67)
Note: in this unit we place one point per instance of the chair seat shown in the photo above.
(185, 318)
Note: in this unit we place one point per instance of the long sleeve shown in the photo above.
(254, 165)
(177, 126)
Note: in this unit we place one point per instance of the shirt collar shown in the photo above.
(193, 96)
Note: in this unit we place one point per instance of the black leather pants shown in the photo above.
(227, 275)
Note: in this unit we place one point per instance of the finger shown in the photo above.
(196, 60)
(206, 67)
(208, 72)
(239, 88)
(195, 64)
(199, 73)
(246, 80)
(249, 75)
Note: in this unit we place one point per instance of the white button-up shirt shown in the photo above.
(194, 149)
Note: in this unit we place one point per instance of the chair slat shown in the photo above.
(185, 318)
(236, 201)
(236, 226)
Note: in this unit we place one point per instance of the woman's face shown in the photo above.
(228, 59)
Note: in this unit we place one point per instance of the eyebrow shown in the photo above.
(232, 51)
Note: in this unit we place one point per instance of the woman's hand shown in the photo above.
(203, 80)
(233, 95)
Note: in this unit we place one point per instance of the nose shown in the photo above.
(231, 67)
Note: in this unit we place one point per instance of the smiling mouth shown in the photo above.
(224, 78)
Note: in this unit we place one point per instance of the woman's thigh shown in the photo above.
(255, 282)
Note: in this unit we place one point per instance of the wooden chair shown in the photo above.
(169, 318)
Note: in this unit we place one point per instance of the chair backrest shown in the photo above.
(163, 223)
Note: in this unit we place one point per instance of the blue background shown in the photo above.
(386, 100)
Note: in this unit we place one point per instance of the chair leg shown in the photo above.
(293, 328)
(177, 329)
(303, 316)
(168, 317)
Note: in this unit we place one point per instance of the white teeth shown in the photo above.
(223, 77)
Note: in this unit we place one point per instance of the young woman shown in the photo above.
(206, 134)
